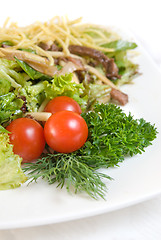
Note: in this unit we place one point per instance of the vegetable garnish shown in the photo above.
(69, 170)
(113, 135)
(11, 174)
(61, 68)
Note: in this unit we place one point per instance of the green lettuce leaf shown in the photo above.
(34, 94)
(10, 72)
(63, 85)
(97, 92)
(60, 85)
(5, 86)
(3, 130)
(127, 69)
(32, 73)
(11, 174)
(120, 45)
(8, 43)
(10, 107)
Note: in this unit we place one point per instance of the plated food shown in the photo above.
(85, 65)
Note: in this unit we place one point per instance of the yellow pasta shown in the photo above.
(60, 30)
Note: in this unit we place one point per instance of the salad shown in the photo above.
(60, 98)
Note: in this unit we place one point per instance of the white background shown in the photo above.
(139, 222)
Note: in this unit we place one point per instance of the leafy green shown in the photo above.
(36, 93)
(96, 92)
(9, 72)
(127, 69)
(8, 43)
(63, 85)
(113, 135)
(3, 130)
(9, 64)
(128, 73)
(120, 45)
(59, 67)
(5, 86)
(11, 174)
(32, 73)
(10, 107)
(28, 50)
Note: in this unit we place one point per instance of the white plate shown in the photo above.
(138, 178)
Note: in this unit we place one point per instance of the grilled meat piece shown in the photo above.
(109, 65)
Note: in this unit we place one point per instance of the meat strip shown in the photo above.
(49, 46)
(82, 75)
(111, 68)
(119, 96)
(44, 46)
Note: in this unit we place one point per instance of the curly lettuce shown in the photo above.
(60, 85)
(11, 174)
(10, 71)
(10, 107)
(19, 79)
(63, 85)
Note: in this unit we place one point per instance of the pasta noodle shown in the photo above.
(60, 30)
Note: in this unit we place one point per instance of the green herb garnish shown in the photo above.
(113, 135)
(70, 170)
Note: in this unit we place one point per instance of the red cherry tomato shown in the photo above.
(65, 131)
(62, 103)
(27, 137)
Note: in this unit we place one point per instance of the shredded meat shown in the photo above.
(108, 63)
(82, 75)
(112, 70)
(119, 96)
(49, 46)
(45, 46)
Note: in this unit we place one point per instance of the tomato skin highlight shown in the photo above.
(27, 137)
(62, 103)
(65, 131)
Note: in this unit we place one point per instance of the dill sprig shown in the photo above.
(66, 169)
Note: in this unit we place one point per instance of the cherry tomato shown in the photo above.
(65, 131)
(62, 103)
(27, 137)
